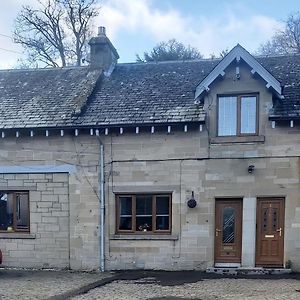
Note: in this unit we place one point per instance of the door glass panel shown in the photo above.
(274, 219)
(228, 225)
(265, 220)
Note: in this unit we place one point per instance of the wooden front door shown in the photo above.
(269, 232)
(228, 231)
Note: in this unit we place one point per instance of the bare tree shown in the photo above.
(170, 50)
(284, 41)
(56, 33)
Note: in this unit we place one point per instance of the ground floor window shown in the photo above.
(14, 211)
(140, 213)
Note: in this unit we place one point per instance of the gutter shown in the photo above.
(102, 205)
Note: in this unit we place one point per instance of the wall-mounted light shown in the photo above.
(192, 202)
(251, 169)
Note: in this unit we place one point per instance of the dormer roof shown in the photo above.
(236, 54)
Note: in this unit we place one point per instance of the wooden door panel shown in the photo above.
(269, 233)
(228, 231)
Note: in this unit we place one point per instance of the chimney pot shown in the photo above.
(101, 30)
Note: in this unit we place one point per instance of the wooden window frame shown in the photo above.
(15, 229)
(238, 117)
(133, 214)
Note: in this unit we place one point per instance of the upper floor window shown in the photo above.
(141, 213)
(238, 115)
(14, 211)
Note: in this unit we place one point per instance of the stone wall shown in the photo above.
(191, 243)
(179, 162)
(64, 207)
(47, 244)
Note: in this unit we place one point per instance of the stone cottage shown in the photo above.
(171, 165)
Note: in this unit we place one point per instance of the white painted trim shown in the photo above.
(37, 169)
(238, 52)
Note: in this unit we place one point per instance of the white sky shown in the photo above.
(135, 26)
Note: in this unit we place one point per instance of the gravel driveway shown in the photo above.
(154, 285)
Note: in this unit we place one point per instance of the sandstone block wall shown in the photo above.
(47, 243)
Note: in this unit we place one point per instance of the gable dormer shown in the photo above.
(236, 54)
(238, 94)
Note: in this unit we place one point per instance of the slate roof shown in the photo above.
(134, 94)
(147, 93)
(287, 70)
(44, 97)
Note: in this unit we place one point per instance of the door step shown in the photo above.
(247, 271)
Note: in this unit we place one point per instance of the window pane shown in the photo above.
(227, 118)
(162, 205)
(6, 211)
(125, 206)
(144, 205)
(144, 212)
(248, 114)
(144, 223)
(125, 213)
(22, 211)
(125, 223)
(162, 223)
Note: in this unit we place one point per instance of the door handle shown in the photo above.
(217, 231)
(280, 231)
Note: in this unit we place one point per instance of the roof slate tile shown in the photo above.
(136, 93)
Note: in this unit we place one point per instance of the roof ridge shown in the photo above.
(169, 61)
(276, 55)
(44, 69)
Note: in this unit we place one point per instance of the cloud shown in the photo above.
(209, 33)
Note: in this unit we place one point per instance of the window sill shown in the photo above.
(137, 237)
(16, 235)
(237, 139)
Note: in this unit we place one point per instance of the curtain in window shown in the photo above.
(248, 115)
(227, 116)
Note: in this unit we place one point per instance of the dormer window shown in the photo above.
(238, 115)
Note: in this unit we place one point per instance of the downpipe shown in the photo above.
(102, 206)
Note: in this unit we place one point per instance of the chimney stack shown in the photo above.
(103, 54)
